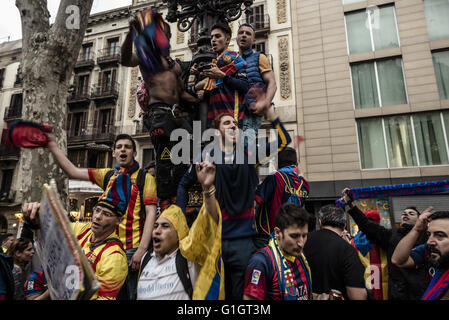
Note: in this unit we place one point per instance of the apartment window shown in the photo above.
(256, 18)
(437, 13)
(87, 51)
(372, 29)
(404, 141)
(372, 143)
(107, 80)
(378, 83)
(83, 83)
(77, 157)
(430, 139)
(441, 65)
(113, 46)
(2, 73)
(77, 123)
(6, 182)
(15, 107)
(260, 46)
(96, 159)
(105, 120)
(399, 138)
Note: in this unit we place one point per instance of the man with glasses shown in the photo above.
(99, 242)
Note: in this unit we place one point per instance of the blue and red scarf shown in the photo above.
(230, 63)
(394, 191)
(120, 191)
(438, 286)
(285, 276)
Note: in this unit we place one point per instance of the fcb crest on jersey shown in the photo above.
(91, 257)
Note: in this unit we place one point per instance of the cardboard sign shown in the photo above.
(69, 274)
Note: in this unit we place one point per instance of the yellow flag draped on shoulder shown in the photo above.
(203, 246)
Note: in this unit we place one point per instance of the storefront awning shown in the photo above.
(77, 186)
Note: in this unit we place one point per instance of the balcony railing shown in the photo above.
(85, 61)
(109, 55)
(77, 136)
(105, 91)
(104, 134)
(141, 129)
(260, 22)
(79, 94)
(12, 113)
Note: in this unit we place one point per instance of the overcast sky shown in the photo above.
(10, 24)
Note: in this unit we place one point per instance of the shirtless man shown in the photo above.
(164, 90)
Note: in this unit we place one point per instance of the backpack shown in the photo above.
(181, 268)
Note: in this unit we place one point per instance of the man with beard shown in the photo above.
(435, 252)
(403, 284)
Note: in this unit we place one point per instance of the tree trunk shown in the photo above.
(49, 54)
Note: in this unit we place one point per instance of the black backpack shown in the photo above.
(181, 268)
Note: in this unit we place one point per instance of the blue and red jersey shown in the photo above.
(36, 283)
(273, 192)
(262, 280)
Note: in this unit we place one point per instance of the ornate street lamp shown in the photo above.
(206, 13)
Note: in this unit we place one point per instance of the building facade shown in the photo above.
(10, 109)
(372, 96)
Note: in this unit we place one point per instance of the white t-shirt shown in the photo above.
(159, 280)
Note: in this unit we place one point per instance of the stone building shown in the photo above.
(10, 109)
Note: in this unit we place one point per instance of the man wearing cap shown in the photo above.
(403, 284)
(126, 178)
(172, 270)
(99, 242)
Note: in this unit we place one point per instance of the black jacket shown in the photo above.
(6, 265)
(403, 284)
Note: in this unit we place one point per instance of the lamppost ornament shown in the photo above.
(191, 10)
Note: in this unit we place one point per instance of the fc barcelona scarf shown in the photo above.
(285, 276)
(394, 191)
(438, 286)
(120, 191)
(150, 40)
(230, 63)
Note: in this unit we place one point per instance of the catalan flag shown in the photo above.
(374, 259)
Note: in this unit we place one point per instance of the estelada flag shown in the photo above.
(27, 134)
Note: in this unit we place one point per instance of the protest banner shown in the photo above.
(69, 274)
